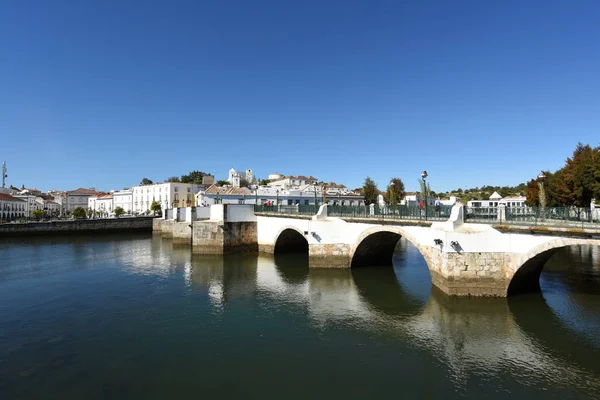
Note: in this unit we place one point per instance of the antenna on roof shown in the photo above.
(4, 174)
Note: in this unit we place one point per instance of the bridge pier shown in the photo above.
(329, 255)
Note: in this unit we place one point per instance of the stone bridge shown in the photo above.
(463, 259)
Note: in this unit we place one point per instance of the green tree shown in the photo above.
(146, 181)
(37, 214)
(193, 177)
(173, 179)
(155, 207)
(370, 191)
(79, 213)
(222, 182)
(264, 182)
(395, 191)
(90, 212)
(119, 211)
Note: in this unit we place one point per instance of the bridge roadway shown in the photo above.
(464, 259)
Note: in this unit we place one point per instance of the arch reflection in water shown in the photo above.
(527, 277)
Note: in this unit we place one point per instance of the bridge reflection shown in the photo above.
(472, 336)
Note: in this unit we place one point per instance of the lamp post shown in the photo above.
(541, 177)
(424, 176)
(542, 196)
(392, 196)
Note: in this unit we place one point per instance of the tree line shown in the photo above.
(575, 184)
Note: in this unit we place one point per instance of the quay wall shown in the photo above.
(140, 224)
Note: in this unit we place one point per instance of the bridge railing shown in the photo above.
(550, 216)
(440, 213)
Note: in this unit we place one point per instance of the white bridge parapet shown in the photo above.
(463, 259)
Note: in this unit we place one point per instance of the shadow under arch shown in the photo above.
(291, 240)
(380, 288)
(376, 246)
(292, 267)
(526, 278)
(536, 319)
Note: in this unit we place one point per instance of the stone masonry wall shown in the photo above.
(207, 237)
(211, 237)
(77, 226)
(468, 274)
(329, 255)
(182, 233)
(240, 237)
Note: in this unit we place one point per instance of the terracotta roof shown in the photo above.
(214, 189)
(83, 191)
(8, 197)
(302, 177)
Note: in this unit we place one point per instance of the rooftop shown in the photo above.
(82, 191)
(214, 189)
(8, 197)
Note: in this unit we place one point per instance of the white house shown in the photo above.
(123, 199)
(79, 198)
(294, 181)
(49, 207)
(11, 208)
(167, 194)
(413, 199)
(495, 200)
(30, 204)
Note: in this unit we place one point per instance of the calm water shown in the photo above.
(134, 317)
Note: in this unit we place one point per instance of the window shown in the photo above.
(306, 202)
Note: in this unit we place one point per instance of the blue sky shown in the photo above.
(103, 93)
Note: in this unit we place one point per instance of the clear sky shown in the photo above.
(103, 93)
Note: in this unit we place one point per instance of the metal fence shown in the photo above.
(374, 212)
(557, 216)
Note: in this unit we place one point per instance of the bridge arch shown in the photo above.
(375, 246)
(290, 240)
(527, 268)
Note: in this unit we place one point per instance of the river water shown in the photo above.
(135, 317)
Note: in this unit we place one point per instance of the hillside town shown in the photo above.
(150, 198)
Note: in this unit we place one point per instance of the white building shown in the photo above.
(11, 208)
(292, 181)
(495, 200)
(452, 200)
(413, 199)
(79, 198)
(30, 204)
(235, 178)
(167, 194)
(304, 195)
(50, 208)
(123, 199)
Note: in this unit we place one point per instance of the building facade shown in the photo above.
(123, 199)
(167, 194)
(11, 208)
(79, 198)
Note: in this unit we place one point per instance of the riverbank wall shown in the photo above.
(136, 224)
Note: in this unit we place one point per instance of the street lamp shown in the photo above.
(541, 177)
(542, 198)
(424, 176)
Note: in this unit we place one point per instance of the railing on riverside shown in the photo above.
(549, 216)
(375, 212)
